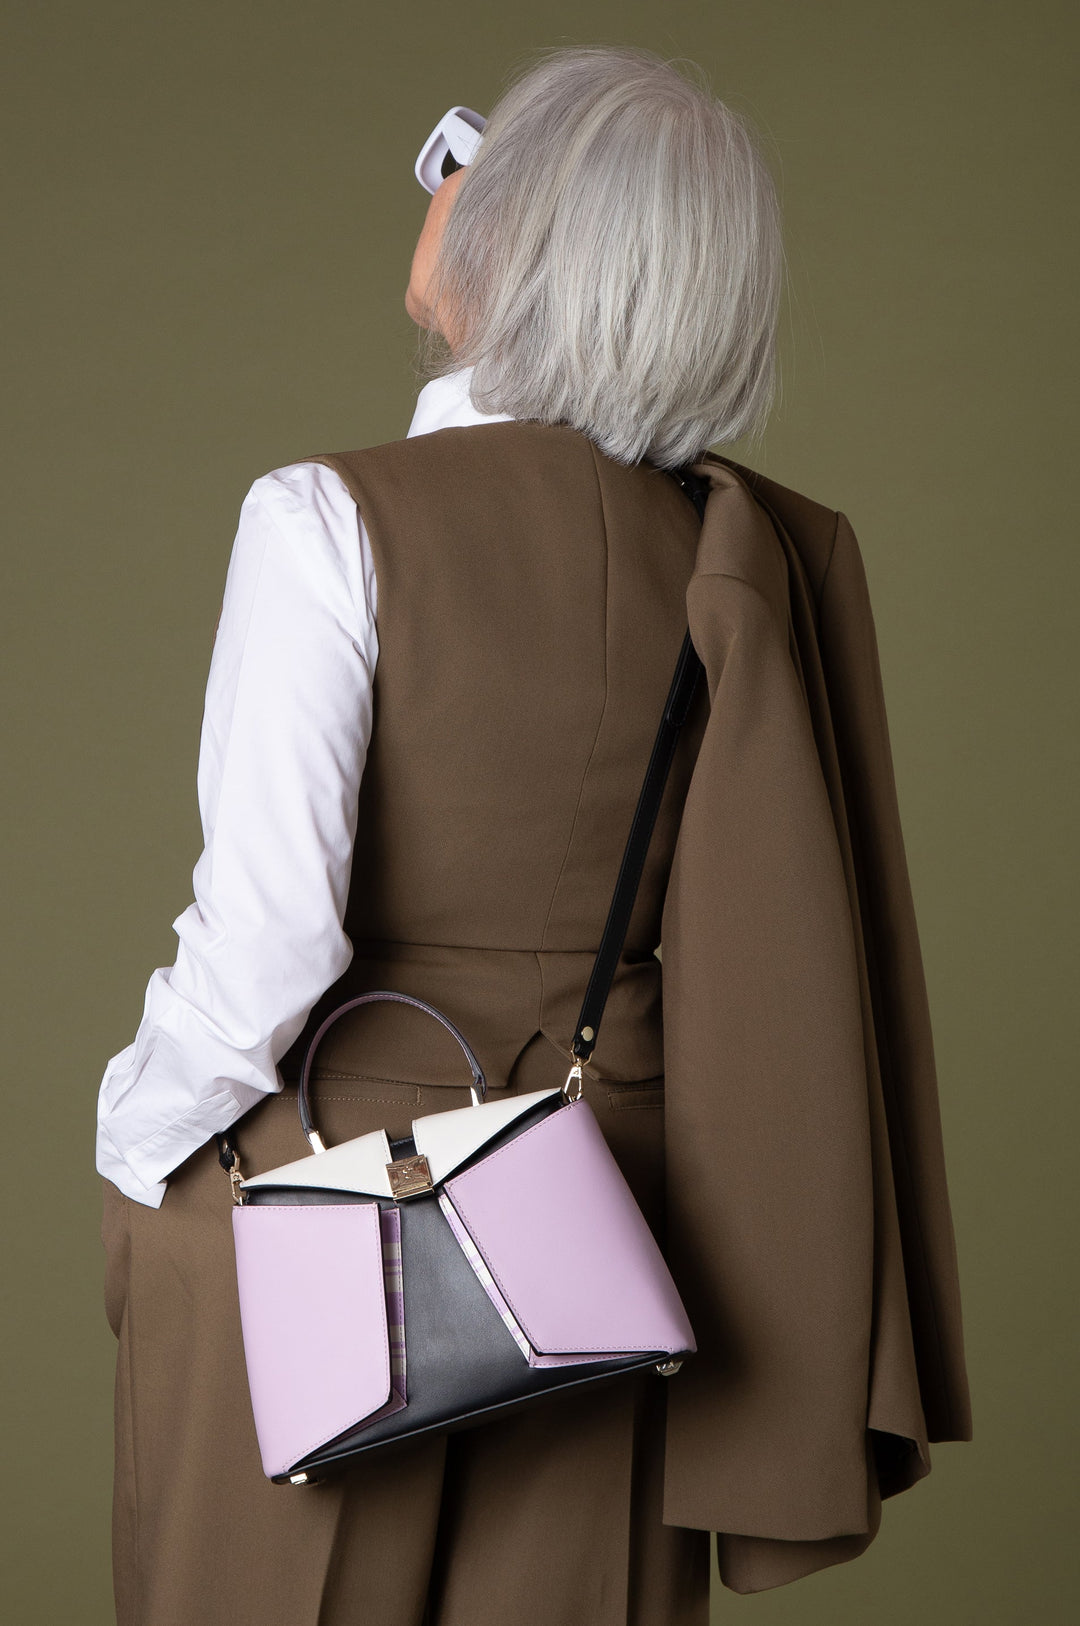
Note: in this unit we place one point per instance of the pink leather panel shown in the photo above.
(491, 1288)
(567, 1244)
(313, 1312)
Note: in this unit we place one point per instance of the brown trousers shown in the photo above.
(550, 1517)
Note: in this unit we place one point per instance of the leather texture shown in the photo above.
(608, 1287)
(449, 1139)
(495, 1294)
(313, 1313)
(357, 1165)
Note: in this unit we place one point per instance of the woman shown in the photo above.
(435, 682)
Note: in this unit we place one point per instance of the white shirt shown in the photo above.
(284, 739)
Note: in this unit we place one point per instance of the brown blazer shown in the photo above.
(808, 1213)
(528, 587)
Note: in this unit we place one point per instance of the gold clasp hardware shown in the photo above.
(409, 1176)
(668, 1369)
(235, 1177)
(574, 1073)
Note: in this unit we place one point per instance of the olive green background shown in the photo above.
(210, 216)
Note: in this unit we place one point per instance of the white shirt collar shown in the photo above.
(445, 401)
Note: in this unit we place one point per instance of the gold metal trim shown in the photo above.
(574, 1073)
(409, 1176)
(668, 1369)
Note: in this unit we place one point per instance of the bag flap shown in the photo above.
(355, 1165)
(313, 1313)
(446, 1139)
(609, 1288)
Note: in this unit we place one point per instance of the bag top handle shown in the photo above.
(478, 1086)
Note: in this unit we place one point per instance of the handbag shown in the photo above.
(390, 1289)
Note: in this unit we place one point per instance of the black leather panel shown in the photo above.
(337, 1456)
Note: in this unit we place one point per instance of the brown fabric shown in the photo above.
(533, 596)
(531, 607)
(550, 1517)
(808, 1214)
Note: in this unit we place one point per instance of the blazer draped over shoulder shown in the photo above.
(808, 1211)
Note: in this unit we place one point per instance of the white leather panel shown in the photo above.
(354, 1165)
(448, 1138)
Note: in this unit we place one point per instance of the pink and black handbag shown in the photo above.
(395, 1288)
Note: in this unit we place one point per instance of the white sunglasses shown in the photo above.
(450, 146)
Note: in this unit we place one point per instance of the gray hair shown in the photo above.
(614, 259)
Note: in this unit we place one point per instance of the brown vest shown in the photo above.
(531, 602)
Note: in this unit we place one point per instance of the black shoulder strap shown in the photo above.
(688, 670)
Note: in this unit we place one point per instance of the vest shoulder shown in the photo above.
(516, 461)
(488, 452)
(456, 443)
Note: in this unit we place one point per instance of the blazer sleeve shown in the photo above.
(787, 1231)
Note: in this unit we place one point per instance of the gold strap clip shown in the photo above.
(573, 1075)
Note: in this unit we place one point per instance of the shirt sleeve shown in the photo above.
(284, 740)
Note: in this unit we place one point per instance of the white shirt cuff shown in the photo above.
(139, 1171)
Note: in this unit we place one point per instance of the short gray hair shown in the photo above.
(614, 259)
